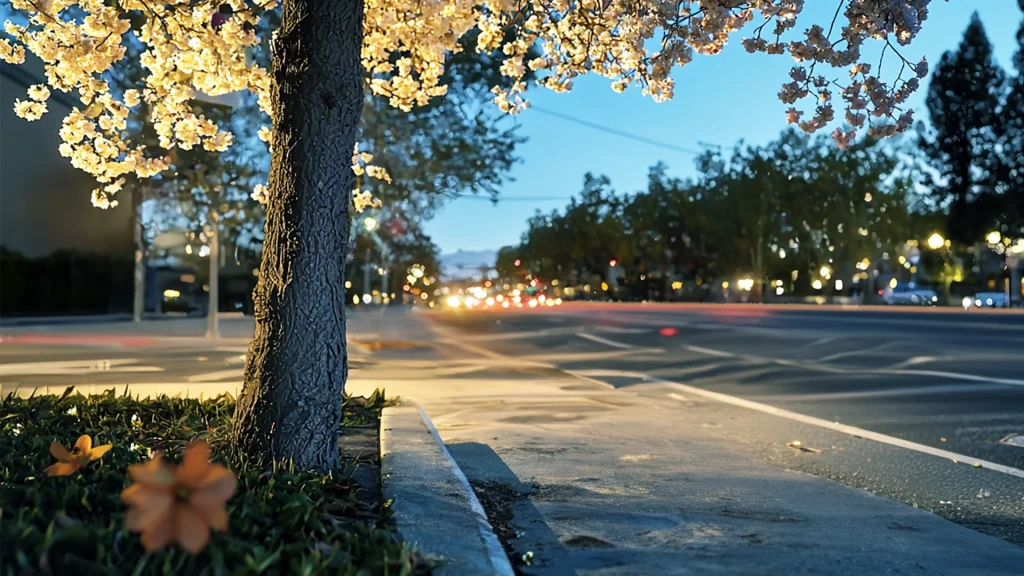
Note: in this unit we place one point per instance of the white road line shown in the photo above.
(811, 420)
(618, 330)
(74, 367)
(882, 371)
(611, 373)
(843, 428)
(709, 351)
(232, 374)
(839, 355)
(605, 341)
(913, 361)
(885, 393)
(821, 341)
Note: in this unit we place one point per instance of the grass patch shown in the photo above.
(282, 521)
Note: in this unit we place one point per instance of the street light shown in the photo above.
(936, 241)
(370, 224)
(994, 237)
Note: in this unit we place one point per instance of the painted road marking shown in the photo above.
(884, 371)
(74, 367)
(605, 341)
(843, 428)
(767, 409)
(709, 351)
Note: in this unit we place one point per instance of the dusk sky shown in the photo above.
(718, 100)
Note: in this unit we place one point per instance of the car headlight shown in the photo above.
(935, 298)
(966, 302)
(978, 302)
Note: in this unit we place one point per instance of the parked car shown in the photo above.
(909, 295)
(990, 300)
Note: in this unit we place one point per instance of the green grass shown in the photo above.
(282, 521)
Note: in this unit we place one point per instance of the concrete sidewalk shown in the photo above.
(581, 478)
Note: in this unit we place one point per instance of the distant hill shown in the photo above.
(467, 264)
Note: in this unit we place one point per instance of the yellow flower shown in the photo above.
(178, 504)
(80, 455)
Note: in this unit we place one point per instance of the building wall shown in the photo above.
(45, 202)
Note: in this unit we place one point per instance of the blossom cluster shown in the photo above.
(204, 46)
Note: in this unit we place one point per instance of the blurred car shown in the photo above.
(990, 300)
(909, 295)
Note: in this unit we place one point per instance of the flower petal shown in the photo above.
(215, 516)
(190, 530)
(195, 464)
(59, 451)
(216, 487)
(98, 452)
(153, 472)
(158, 535)
(150, 508)
(61, 469)
(84, 444)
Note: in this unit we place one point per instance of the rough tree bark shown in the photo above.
(290, 405)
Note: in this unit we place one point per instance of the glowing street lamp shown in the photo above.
(994, 237)
(370, 224)
(936, 241)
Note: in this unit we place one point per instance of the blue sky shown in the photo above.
(718, 100)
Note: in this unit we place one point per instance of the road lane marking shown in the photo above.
(839, 355)
(849, 370)
(884, 393)
(767, 409)
(605, 341)
(709, 351)
(856, 352)
(231, 374)
(619, 330)
(837, 427)
(821, 341)
(916, 360)
(74, 367)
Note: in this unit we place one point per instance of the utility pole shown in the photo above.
(213, 234)
(366, 273)
(139, 272)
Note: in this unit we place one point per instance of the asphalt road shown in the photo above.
(950, 382)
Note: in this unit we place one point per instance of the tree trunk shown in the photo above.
(213, 303)
(290, 405)
(139, 273)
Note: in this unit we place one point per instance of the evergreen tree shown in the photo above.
(1011, 165)
(963, 102)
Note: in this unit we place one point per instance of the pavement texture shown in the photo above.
(590, 458)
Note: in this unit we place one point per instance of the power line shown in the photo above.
(616, 131)
(501, 199)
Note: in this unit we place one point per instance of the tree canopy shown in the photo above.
(207, 46)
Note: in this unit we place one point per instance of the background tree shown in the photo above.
(1011, 144)
(964, 98)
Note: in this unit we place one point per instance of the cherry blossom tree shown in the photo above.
(323, 54)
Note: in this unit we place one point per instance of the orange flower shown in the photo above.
(182, 503)
(80, 455)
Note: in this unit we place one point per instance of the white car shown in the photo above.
(990, 300)
(909, 295)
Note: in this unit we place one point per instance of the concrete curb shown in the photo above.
(434, 506)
